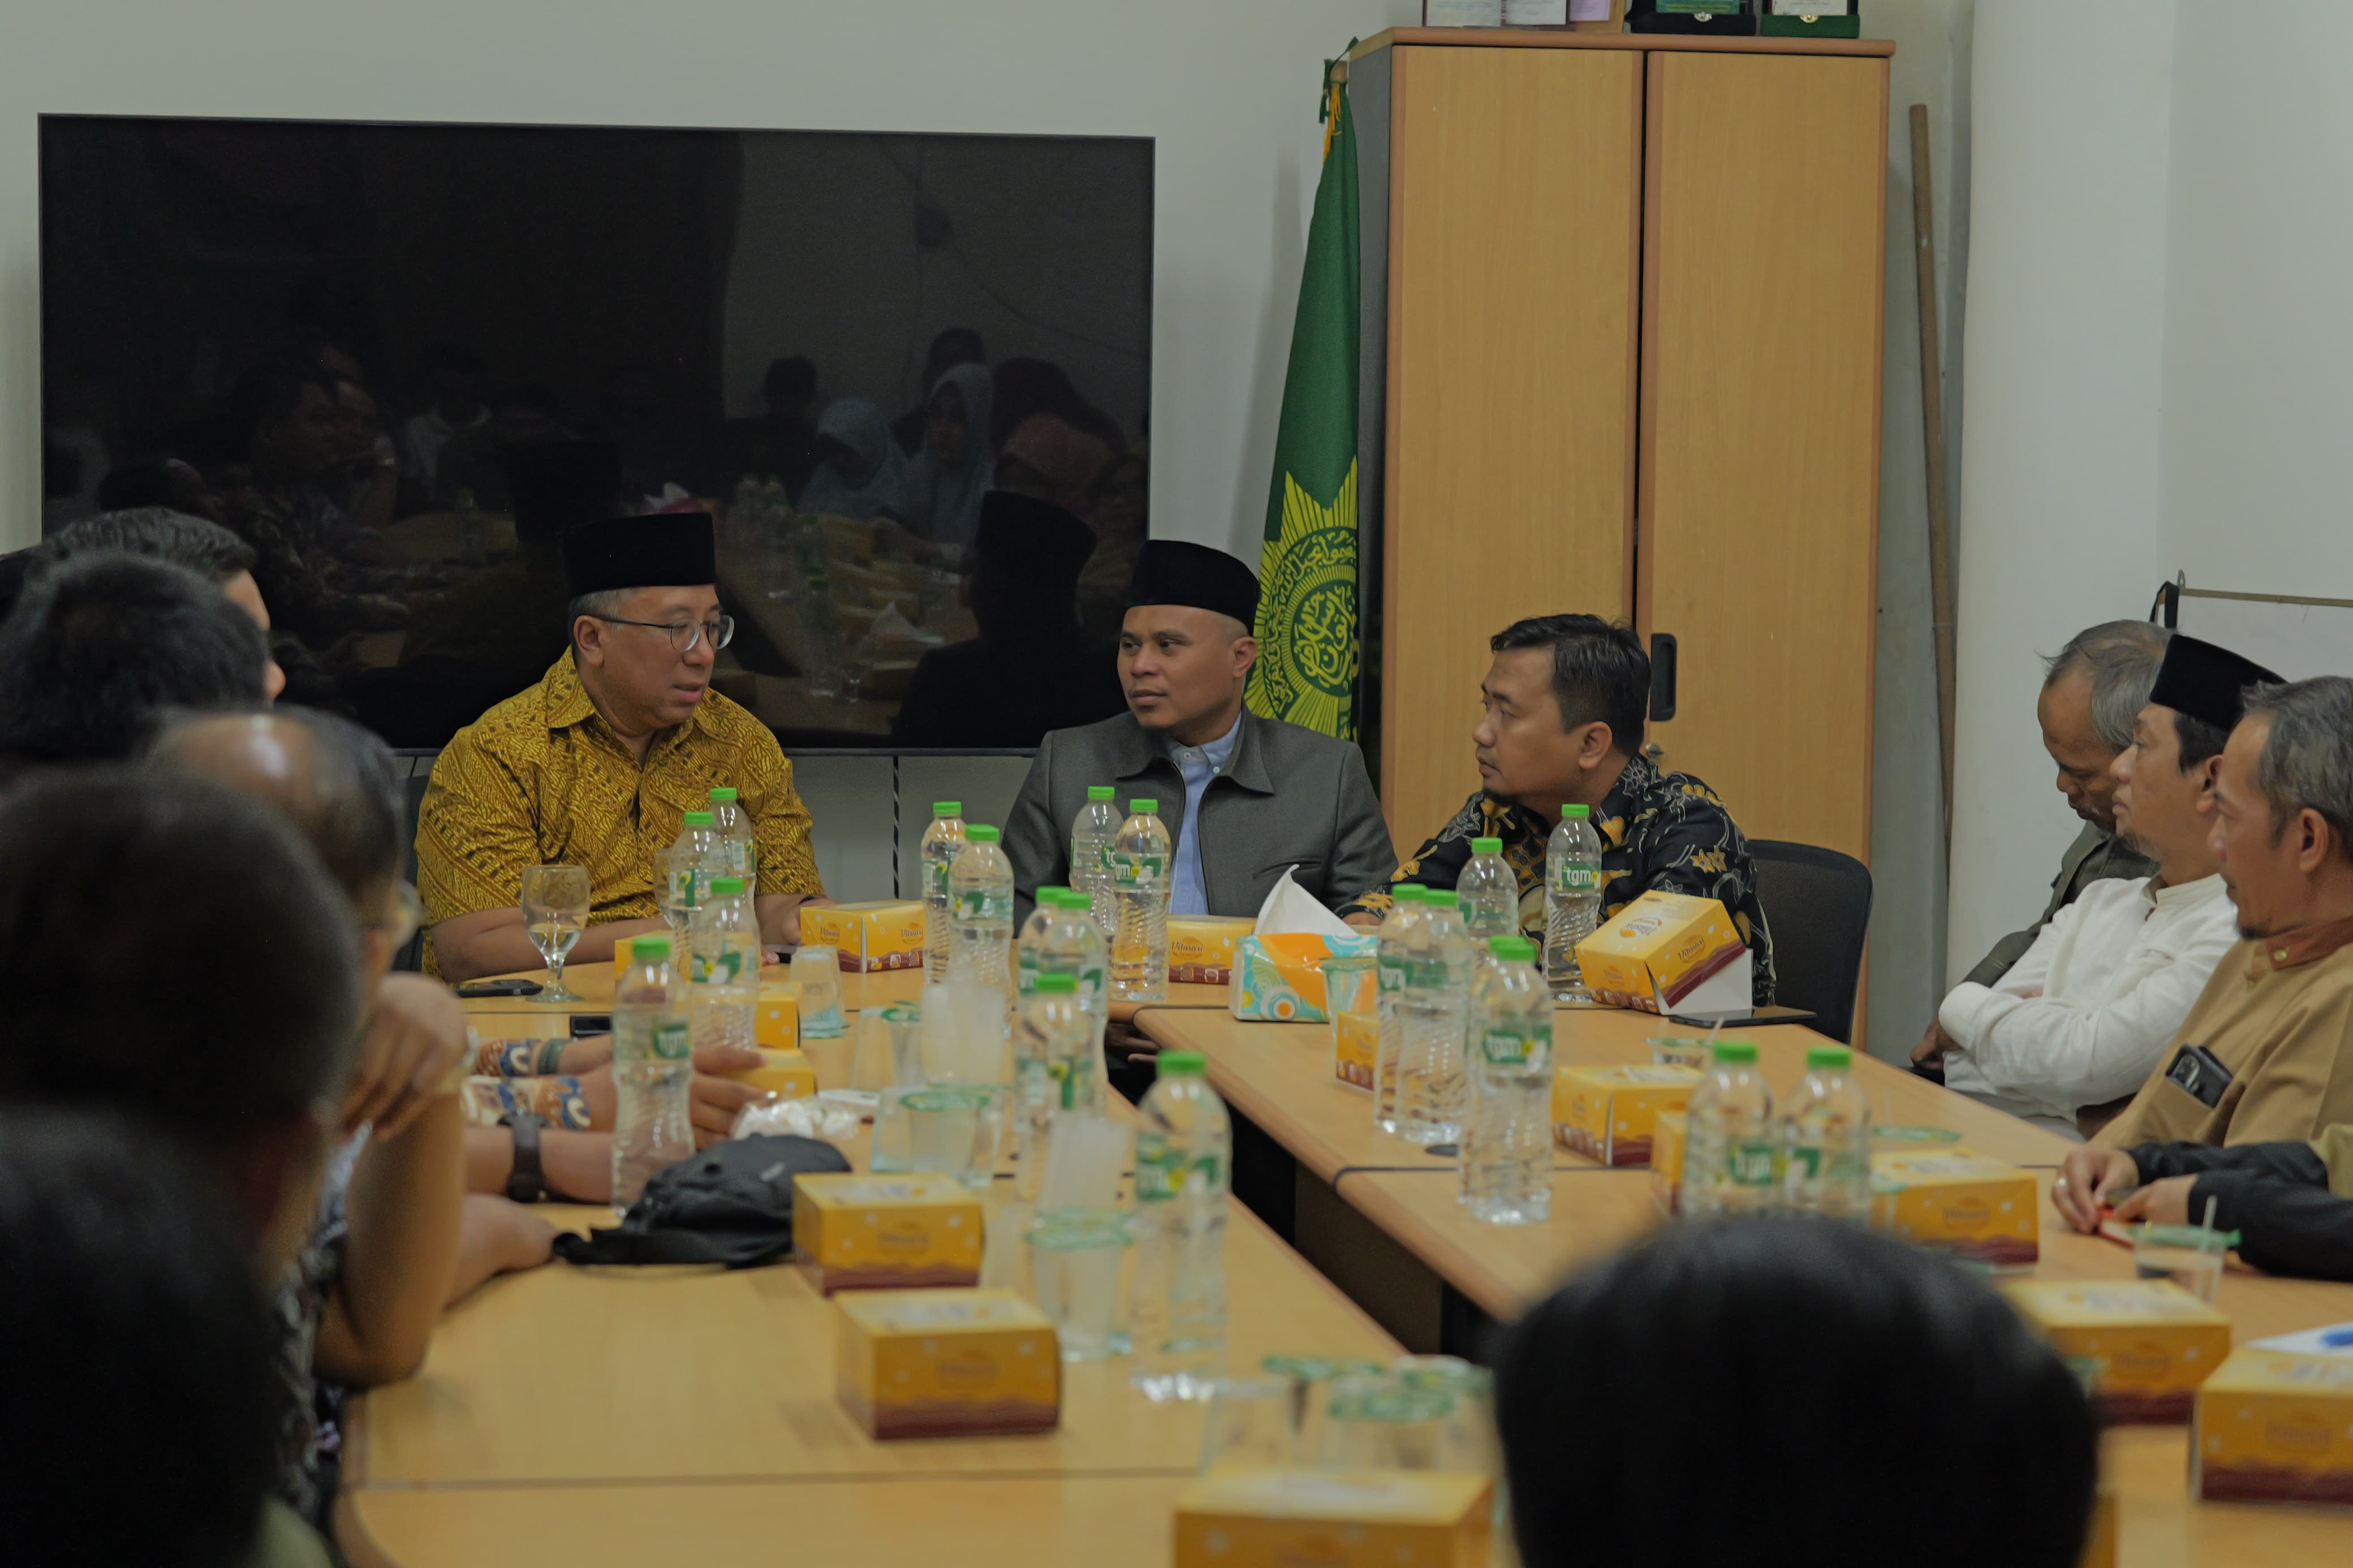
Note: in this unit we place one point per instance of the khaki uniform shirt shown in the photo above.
(542, 780)
(2278, 1014)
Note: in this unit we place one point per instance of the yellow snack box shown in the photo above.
(882, 934)
(2275, 1425)
(859, 1232)
(1334, 1519)
(946, 1364)
(788, 1073)
(1667, 1159)
(1658, 950)
(2100, 1543)
(1957, 1202)
(1610, 1113)
(2155, 1342)
(1202, 949)
(1355, 1045)
(777, 1017)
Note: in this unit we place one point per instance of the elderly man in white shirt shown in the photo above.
(2081, 1019)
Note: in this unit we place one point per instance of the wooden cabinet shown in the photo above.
(1622, 354)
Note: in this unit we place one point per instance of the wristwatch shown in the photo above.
(526, 1182)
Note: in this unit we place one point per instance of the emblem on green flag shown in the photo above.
(1307, 619)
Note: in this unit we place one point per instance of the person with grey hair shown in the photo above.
(2093, 690)
(2263, 1057)
(2072, 1031)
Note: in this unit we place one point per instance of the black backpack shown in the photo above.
(731, 1204)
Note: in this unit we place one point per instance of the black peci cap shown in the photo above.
(1173, 571)
(2205, 681)
(1035, 538)
(659, 550)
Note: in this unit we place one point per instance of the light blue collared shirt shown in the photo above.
(1198, 764)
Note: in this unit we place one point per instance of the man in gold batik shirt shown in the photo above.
(2266, 1053)
(597, 764)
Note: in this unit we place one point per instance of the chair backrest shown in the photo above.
(1817, 903)
(419, 765)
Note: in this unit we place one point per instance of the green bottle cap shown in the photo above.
(981, 833)
(723, 796)
(698, 819)
(1177, 1064)
(1736, 1053)
(948, 808)
(1049, 895)
(1442, 897)
(1836, 1059)
(1486, 847)
(727, 887)
(1512, 948)
(1143, 808)
(1576, 811)
(1058, 985)
(1409, 893)
(649, 950)
(1099, 792)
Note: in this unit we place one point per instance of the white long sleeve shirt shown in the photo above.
(2083, 1016)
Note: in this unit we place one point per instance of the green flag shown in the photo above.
(1306, 669)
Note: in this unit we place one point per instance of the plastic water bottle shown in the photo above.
(1139, 948)
(1056, 1068)
(1488, 894)
(1433, 1012)
(1061, 939)
(1572, 902)
(1092, 837)
(1729, 1150)
(653, 1068)
(723, 960)
(1826, 1140)
(739, 852)
(942, 840)
(980, 898)
(1183, 1168)
(697, 847)
(1506, 1170)
(1396, 937)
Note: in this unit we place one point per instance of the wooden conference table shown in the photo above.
(1374, 1212)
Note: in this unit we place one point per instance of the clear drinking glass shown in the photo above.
(2188, 1255)
(1251, 1425)
(952, 1129)
(1383, 1421)
(1352, 1003)
(1076, 1255)
(555, 911)
(674, 891)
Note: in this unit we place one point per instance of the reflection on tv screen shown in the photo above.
(400, 360)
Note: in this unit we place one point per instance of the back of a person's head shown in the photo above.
(335, 782)
(180, 952)
(139, 1417)
(159, 533)
(100, 646)
(1795, 1389)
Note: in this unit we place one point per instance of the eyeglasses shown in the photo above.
(403, 911)
(685, 634)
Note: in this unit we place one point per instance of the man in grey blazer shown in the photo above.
(1244, 798)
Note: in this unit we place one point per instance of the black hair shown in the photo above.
(145, 1349)
(190, 959)
(2199, 739)
(100, 646)
(274, 392)
(1598, 671)
(1830, 1365)
(159, 533)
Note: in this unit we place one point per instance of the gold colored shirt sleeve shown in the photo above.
(475, 833)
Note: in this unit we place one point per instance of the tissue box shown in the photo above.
(1356, 1048)
(2155, 1342)
(788, 1073)
(857, 1232)
(1201, 950)
(1667, 1160)
(2275, 1427)
(1659, 952)
(777, 1017)
(1608, 1113)
(1958, 1202)
(1334, 1519)
(1279, 978)
(869, 936)
(947, 1364)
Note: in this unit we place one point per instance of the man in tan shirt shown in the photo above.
(2266, 1054)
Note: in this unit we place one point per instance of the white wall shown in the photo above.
(1227, 86)
(2060, 477)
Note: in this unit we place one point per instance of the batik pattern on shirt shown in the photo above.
(1666, 831)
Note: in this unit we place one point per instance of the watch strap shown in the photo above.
(527, 1179)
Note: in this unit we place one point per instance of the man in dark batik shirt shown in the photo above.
(1564, 702)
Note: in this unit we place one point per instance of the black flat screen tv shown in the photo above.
(401, 358)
